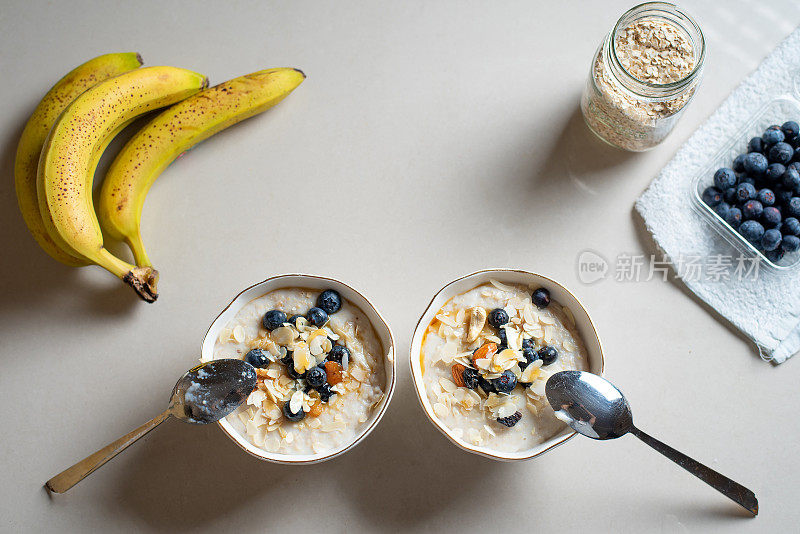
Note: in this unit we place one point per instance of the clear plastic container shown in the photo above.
(776, 111)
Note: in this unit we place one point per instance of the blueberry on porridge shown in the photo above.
(320, 368)
(486, 357)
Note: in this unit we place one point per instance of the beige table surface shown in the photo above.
(430, 139)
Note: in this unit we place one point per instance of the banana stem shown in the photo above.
(137, 247)
(143, 280)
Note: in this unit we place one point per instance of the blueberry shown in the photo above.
(766, 197)
(541, 297)
(712, 196)
(774, 255)
(791, 180)
(506, 382)
(794, 141)
(738, 163)
(783, 196)
(722, 209)
(780, 153)
(548, 355)
(790, 129)
(747, 180)
(794, 165)
(729, 195)
(755, 145)
(774, 172)
(501, 333)
(753, 231)
(325, 392)
(755, 164)
(796, 156)
(771, 240)
(338, 353)
(486, 385)
(734, 217)
(470, 377)
(793, 207)
(527, 343)
(317, 316)
(257, 358)
(530, 355)
(771, 217)
(773, 135)
(511, 420)
(744, 192)
(287, 413)
(330, 301)
(791, 226)
(790, 243)
(292, 372)
(273, 319)
(293, 319)
(752, 209)
(316, 376)
(498, 317)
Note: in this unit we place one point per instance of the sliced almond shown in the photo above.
(477, 320)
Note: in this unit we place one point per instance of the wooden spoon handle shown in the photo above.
(72, 475)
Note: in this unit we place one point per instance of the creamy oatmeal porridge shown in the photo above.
(486, 357)
(320, 368)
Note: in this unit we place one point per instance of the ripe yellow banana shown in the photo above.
(69, 158)
(35, 133)
(171, 133)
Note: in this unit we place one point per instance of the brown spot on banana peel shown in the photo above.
(143, 280)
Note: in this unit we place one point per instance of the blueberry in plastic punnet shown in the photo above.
(755, 164)
(745, 192)
(753, 231)
(793, 207)
(771, 240)
(783, 196)
(722, 209)
(773, 135)
(756, 144)
(729, 195)
(791, 180)
(724, 178)
(774, 255)
(779, 153)
(790, 243)
(771, 217)
(734, 217)
(791, 226)
(790, 129)
(774, 172)
(766, 197)
(712, 196)
(752, 209)
(738, 163)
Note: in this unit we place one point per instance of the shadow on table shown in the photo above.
(403, 475)
(28, 276)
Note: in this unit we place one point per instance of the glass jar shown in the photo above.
(634, 97)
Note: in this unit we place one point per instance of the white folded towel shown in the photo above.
(766, 308)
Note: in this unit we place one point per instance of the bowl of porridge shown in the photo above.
(483, 351)
(325, 362)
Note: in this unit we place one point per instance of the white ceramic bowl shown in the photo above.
(382, 330)
(558, 293)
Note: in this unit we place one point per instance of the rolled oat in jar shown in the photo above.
(643, 75)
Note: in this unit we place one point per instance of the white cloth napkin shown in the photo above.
(765, 307)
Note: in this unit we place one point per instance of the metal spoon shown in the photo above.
(594, 407)
(205, 394)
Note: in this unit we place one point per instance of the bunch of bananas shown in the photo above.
(63, 140)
